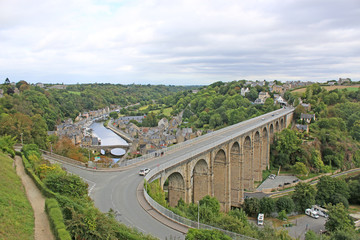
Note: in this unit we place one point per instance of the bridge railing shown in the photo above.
(65, 159)
(189, 223)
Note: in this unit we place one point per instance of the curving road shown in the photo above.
(117, 189)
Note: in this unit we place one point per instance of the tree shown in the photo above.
(267, 206)
(285, 203)
(304, 196)
(311, 235)
(252, 206)
(114, 115)
(286, 147)
(338, 219)
(300, 169)
(7, 81)
(354, 187)
(298, 110)
(316, 160)
(203, 234)
(332, 190)
(282, 215)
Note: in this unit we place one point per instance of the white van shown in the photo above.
(260, 219)
(311, 213)
(322, 212)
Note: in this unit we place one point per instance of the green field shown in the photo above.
(76, 93)
(16, 214)
(166, 111)
(329, 88)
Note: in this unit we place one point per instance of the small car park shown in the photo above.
(144, 171)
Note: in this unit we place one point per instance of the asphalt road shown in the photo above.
(117, 190)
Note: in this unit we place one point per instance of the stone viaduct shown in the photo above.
(224, 171)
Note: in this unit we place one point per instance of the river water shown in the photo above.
(107, 136)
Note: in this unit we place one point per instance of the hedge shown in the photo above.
(53, 210)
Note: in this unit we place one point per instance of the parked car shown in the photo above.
(144, 171)
(272, 176)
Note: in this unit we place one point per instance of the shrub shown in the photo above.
(53, 210)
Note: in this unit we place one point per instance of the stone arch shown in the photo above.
(247, 162)
(220, 177)
(271, 132)
(176, 188)
(236, 175)
(265, 149)
(257, 157)
(281, 123)
(277, 126)
(200, 180)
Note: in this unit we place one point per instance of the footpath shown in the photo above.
(37, 201)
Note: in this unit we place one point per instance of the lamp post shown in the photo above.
(21, 138)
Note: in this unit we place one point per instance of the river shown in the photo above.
(107, 136)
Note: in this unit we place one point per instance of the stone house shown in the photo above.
(344, 80)
(86, 141)
(307, 117)
(244, 91)
(163, 123)
(126, 119)
(263, 96)
(277, 88)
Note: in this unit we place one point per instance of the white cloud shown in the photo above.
(172, 42)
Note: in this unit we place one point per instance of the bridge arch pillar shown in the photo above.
(257, 168)
(236, 173)
(248, 179)
(221, 177)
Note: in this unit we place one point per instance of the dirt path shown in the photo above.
(37, 201)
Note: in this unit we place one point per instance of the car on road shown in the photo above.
(144, 171)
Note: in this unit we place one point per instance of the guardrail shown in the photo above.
(62, 158)
(187, 222)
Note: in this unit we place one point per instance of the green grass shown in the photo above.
(352, 89)
(76, 93)
(143, 107)
(166, 111)
(16, 214)
(310, 175)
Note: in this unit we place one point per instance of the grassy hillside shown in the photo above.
(16, 214)
(329, 88)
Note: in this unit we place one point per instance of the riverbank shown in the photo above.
(119, 132)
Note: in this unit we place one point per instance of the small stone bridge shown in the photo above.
(222, 164)
(108, 148)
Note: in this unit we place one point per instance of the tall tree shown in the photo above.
(339, 219)
(304, 196)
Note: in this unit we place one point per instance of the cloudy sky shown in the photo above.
(179, 42)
